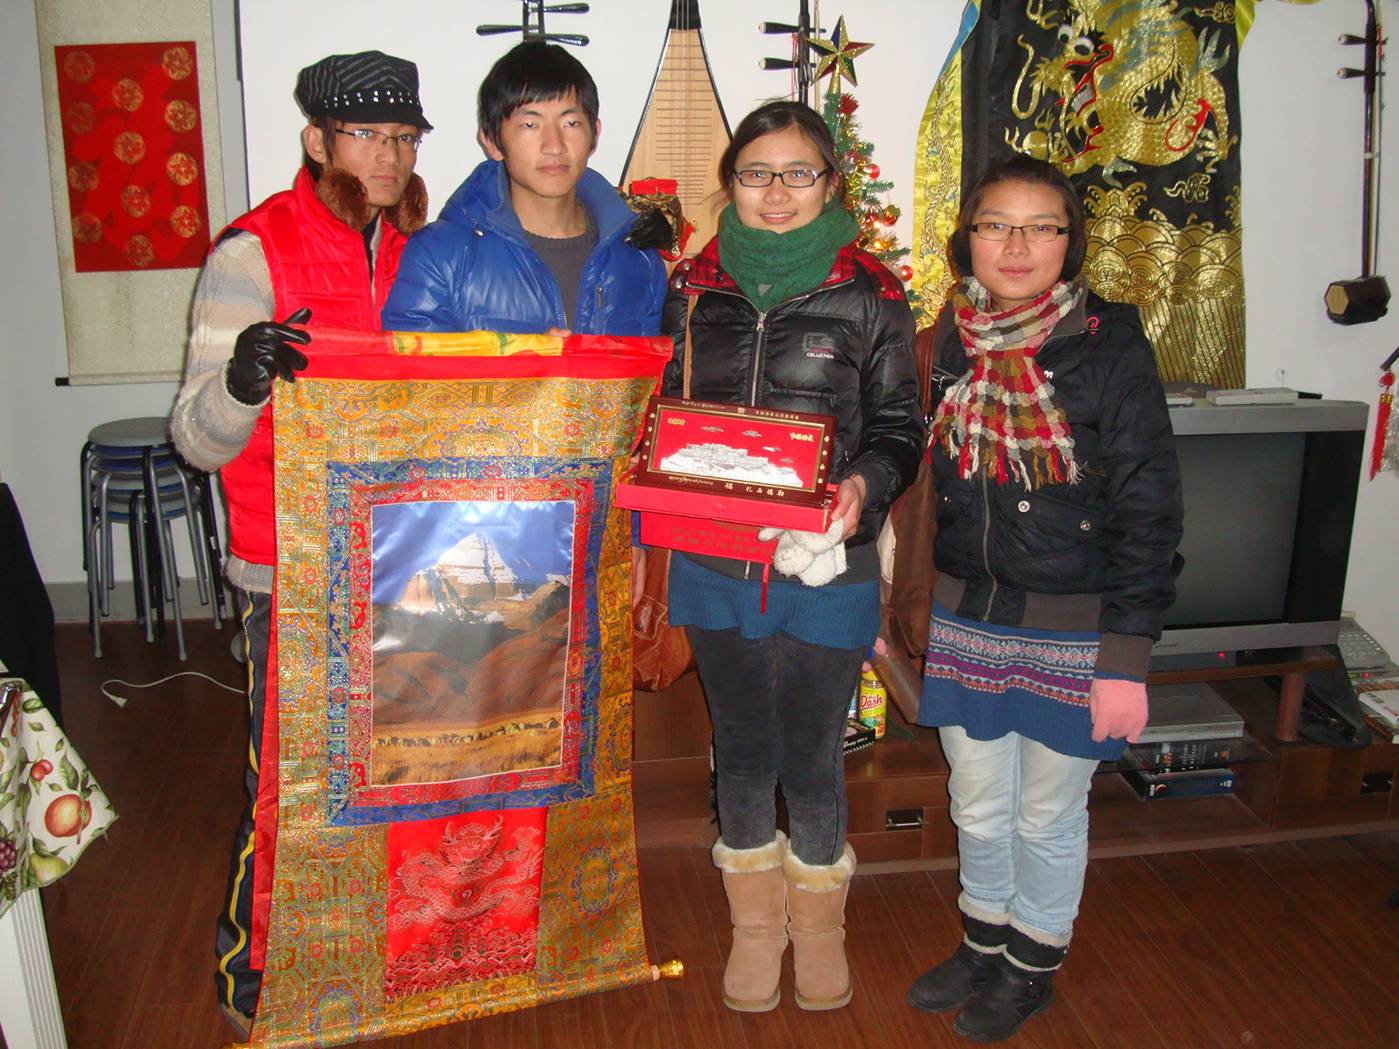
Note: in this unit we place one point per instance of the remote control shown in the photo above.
(1359, 651)
(1179, 400)
(1267, 395)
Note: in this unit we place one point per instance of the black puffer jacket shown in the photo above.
(843, 349)
(1112, 534)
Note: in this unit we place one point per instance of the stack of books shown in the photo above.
(1192, 769)
(1379, 696)
(1191, 736)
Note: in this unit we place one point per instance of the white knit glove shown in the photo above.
(813, 557)
(788, 558)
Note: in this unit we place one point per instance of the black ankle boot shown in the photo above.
(950, 983)
(1011, 993)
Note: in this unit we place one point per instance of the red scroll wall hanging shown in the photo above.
(134, 155)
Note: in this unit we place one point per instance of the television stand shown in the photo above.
(1289, 664)
(897, 789)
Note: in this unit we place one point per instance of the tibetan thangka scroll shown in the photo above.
(451, 730)
(1137, 102)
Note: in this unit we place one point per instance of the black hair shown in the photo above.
(533, 72)
(1031, 170)
(327, 127)
(778, 116)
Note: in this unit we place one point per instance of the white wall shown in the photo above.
(1301, 163)
(626, 35)
(1302, 140)
(42, 426)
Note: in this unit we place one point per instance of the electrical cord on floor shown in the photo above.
(121, 701)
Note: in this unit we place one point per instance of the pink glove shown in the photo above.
(1118, 709)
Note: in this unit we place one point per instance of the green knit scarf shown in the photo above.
(772, 267)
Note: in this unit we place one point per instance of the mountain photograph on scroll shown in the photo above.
(471, 610)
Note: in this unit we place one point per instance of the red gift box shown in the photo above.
(736, 450)
(710, 475)
(719, 525)
(700, 535)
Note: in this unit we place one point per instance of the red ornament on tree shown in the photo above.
(863, 187)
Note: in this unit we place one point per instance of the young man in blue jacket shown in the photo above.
(534, 239)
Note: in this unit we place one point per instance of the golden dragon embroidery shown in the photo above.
(1131, 84)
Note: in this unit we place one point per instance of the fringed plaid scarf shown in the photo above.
(1000, 419)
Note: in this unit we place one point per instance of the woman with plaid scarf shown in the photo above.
(1058, 517)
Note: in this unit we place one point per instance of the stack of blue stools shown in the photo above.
(132, 475)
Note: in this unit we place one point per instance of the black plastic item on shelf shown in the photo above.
(1331, 715)
(26, 615)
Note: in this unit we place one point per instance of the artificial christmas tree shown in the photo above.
(864, 189)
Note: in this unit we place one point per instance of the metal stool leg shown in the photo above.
(133, 535)
(204, 554)
(94, 613)
(191, 528)
(165, 546)
(94, 581)
(164, 525)
(140, 569)
(104, 552)
(152, 572)
(214, 551)
(85, 478)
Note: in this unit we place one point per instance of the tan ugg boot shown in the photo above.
(816, 924)
(758, 908)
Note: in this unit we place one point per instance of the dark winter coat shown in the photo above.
(474, 270)
(843, 349)
(1113, 534)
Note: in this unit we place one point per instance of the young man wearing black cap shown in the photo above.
(534, 239)
(327, 249)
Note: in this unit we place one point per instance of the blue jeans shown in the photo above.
(1021, 812)
(778, 707)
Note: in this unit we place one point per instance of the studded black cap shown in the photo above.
(368, 88)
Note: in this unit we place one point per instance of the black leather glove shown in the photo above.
(263, 352)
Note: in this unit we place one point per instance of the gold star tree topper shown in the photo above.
(838, 55)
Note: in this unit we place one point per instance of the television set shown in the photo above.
(1269, 493)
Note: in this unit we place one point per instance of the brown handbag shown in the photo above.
(660, 652)
(913, 518)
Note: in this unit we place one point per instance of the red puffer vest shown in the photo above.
(316, 261)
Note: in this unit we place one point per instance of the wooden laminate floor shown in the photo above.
(1285, 945)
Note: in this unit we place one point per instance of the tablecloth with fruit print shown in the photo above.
(451, 726)
(51, 809)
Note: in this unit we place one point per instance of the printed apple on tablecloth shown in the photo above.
(51, 808)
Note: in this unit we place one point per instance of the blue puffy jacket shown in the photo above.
(474, 270)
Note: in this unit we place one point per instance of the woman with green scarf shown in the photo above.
(785, 312)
